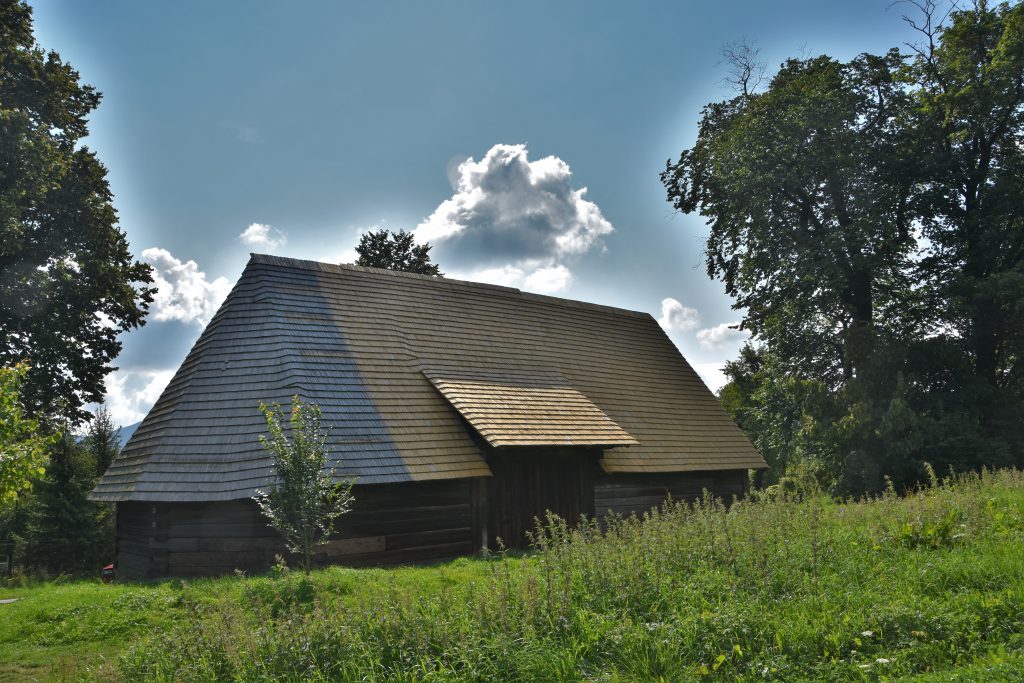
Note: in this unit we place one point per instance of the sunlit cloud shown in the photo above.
(514, 221)
(183, 291)
(263, 237)
(720, 336)
(676, 317)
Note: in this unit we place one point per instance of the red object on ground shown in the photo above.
(108, 573)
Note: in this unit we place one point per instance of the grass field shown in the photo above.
(926, 587)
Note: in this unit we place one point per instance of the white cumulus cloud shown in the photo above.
(514, 221)
(718, 337)
(183, 292)
(263, 236)
(131, 393)
(506, 276)
(676, 317)
(543, 280)
(348, 256)
(548, 280)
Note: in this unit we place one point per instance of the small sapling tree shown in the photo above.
(304, 500)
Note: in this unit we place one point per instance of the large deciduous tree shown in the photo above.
(68, 284)
(970, 116)
(808, 189)
(867, 218)
(808, 203)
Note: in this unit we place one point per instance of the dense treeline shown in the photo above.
(867, 217)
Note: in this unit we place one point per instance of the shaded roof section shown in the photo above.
(360, 342)
(520, 409)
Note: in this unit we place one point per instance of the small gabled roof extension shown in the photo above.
(534, 409)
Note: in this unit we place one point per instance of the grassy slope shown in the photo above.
(64, 630)
(930, 586)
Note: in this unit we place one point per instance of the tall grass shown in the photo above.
(769, 588)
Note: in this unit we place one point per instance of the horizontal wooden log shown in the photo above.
(435, 537)
(415, 555)
(134, 537)
(674, 492)
(135, 547)
(351, 546)
(134, 557)
(642, 501)
(404, 522)
(218, 530)
(230, 516)
(142, 526)
(223, 545)
(238, 559)
(626, 494)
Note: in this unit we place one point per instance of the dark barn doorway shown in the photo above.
(529, 482)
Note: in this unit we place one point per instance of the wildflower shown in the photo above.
(867, 634)
(882, 660)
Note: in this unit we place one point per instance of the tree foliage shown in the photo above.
(866, 216)
(810, 228)
(23, 447)
(68, 284)
(65, 531)
(304, 500)
(52, 525)
(395, 251)
(102, 440)
(970, 107)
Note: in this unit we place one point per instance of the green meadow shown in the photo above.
(927, 586)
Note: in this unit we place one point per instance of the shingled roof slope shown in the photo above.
(530, 410)
(369, 345)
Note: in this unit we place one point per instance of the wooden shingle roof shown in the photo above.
(404, 368)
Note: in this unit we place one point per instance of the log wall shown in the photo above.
(393, 524)
(400, 523)
(627, 494)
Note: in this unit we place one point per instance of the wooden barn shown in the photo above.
(462, 410)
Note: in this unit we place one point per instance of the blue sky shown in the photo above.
(293, 127)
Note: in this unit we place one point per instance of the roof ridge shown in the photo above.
(307, 264)
(287, 261)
